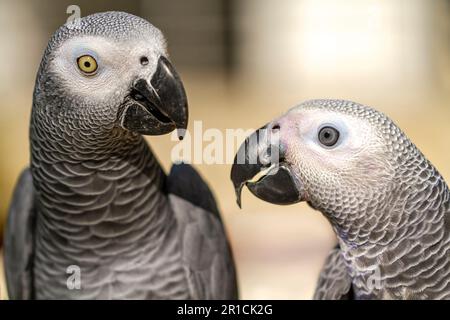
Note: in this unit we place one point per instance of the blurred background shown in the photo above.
(244, 63)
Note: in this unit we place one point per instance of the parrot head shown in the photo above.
(337, 155)
(111, 68)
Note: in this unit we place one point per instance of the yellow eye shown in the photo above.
(87, 64)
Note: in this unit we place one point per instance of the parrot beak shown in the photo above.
(260, 165)
(157, 107)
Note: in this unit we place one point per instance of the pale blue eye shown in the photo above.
(330, 135)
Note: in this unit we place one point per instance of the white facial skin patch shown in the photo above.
(118, 64)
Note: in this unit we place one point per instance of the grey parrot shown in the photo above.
(387, 204)
(95, 216)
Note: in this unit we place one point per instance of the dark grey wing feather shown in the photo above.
(206, 254)
(19, 239)
(186, 183)
(334, 281)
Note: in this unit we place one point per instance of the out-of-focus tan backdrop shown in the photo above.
(243, 63)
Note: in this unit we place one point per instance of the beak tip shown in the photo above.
(181, 133)
(238, 191)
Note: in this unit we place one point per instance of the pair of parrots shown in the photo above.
(95, 197)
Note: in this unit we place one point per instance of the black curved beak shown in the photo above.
(260, 165)
(157, 107)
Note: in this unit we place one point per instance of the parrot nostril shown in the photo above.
(144, 60)
(276, 127)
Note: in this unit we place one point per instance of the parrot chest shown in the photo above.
(143, 270)
(105, 233)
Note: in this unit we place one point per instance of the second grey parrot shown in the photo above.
(387, 204)
(95, 205)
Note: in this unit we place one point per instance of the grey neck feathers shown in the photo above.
(95, 183)
(416, 199)
(405, 231)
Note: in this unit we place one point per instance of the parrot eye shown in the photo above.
(87, 64)
(328, 136)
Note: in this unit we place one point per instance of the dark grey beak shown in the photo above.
(260, 165)
(157, 107)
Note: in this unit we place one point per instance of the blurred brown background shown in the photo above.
(243, 63)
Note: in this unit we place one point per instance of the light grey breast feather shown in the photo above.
(206, 254)
(19, 239)
(334, 281)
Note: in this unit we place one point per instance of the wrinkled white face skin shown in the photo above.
(356, 163)
(118, 64)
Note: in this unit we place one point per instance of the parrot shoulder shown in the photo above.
(206, 254)
(19, 239)
(184, 182)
